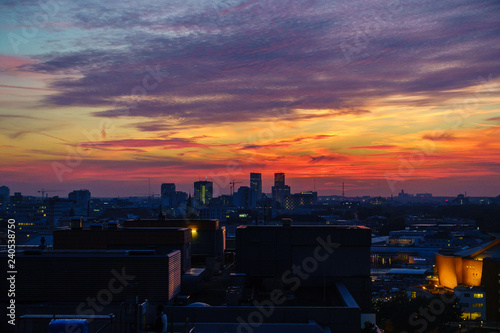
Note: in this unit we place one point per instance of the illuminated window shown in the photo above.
(478, 295)
(475, 315)
(471, 315)
(413, 294)
(477, 305)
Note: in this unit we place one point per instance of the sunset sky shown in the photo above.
(381, 95)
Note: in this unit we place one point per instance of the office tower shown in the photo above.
(168, 195)
(302, 199)
(180, 197)
(279, 179)
(4, 193)
(245, 198)
(256, 184)
(203, 192)
(81, 198)
(4, 197)
(280, 190)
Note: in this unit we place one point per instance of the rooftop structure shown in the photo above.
(162, 240)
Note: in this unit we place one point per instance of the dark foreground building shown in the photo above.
(160, 240)
(208, 238)
(90, 282)
(302, 257)
(285, 278)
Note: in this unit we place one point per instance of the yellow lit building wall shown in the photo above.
(472, 271)
(453, 271)
(447, 271)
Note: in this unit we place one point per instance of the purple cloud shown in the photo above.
(251, 56)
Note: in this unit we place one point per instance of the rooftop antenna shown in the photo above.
(343, 192)
(314, 184)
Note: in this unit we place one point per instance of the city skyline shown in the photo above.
(149, 188)
(379, 96)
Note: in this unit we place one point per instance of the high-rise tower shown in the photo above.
(256, 184)
(168, 195)
(280, 190)
(203, 192)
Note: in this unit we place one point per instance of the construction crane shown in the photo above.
(44, 191)
(232, 186)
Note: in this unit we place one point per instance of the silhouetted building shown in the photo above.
(81, 198)
(256, 184)
(168, 195)
(424, 196)
(203, 192)
(160, 240)
(58, 209)
(280, 190)
(307, 257)
(302, 199)
(491, 282)
(115, 276)
(4, 197)
(29, 212)
(181, 197)
(245, 198)
(208, 238)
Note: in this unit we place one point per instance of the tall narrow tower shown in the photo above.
(280, 190)
(256, 184)
(203, 192)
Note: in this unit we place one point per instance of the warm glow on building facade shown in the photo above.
(454, 271)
